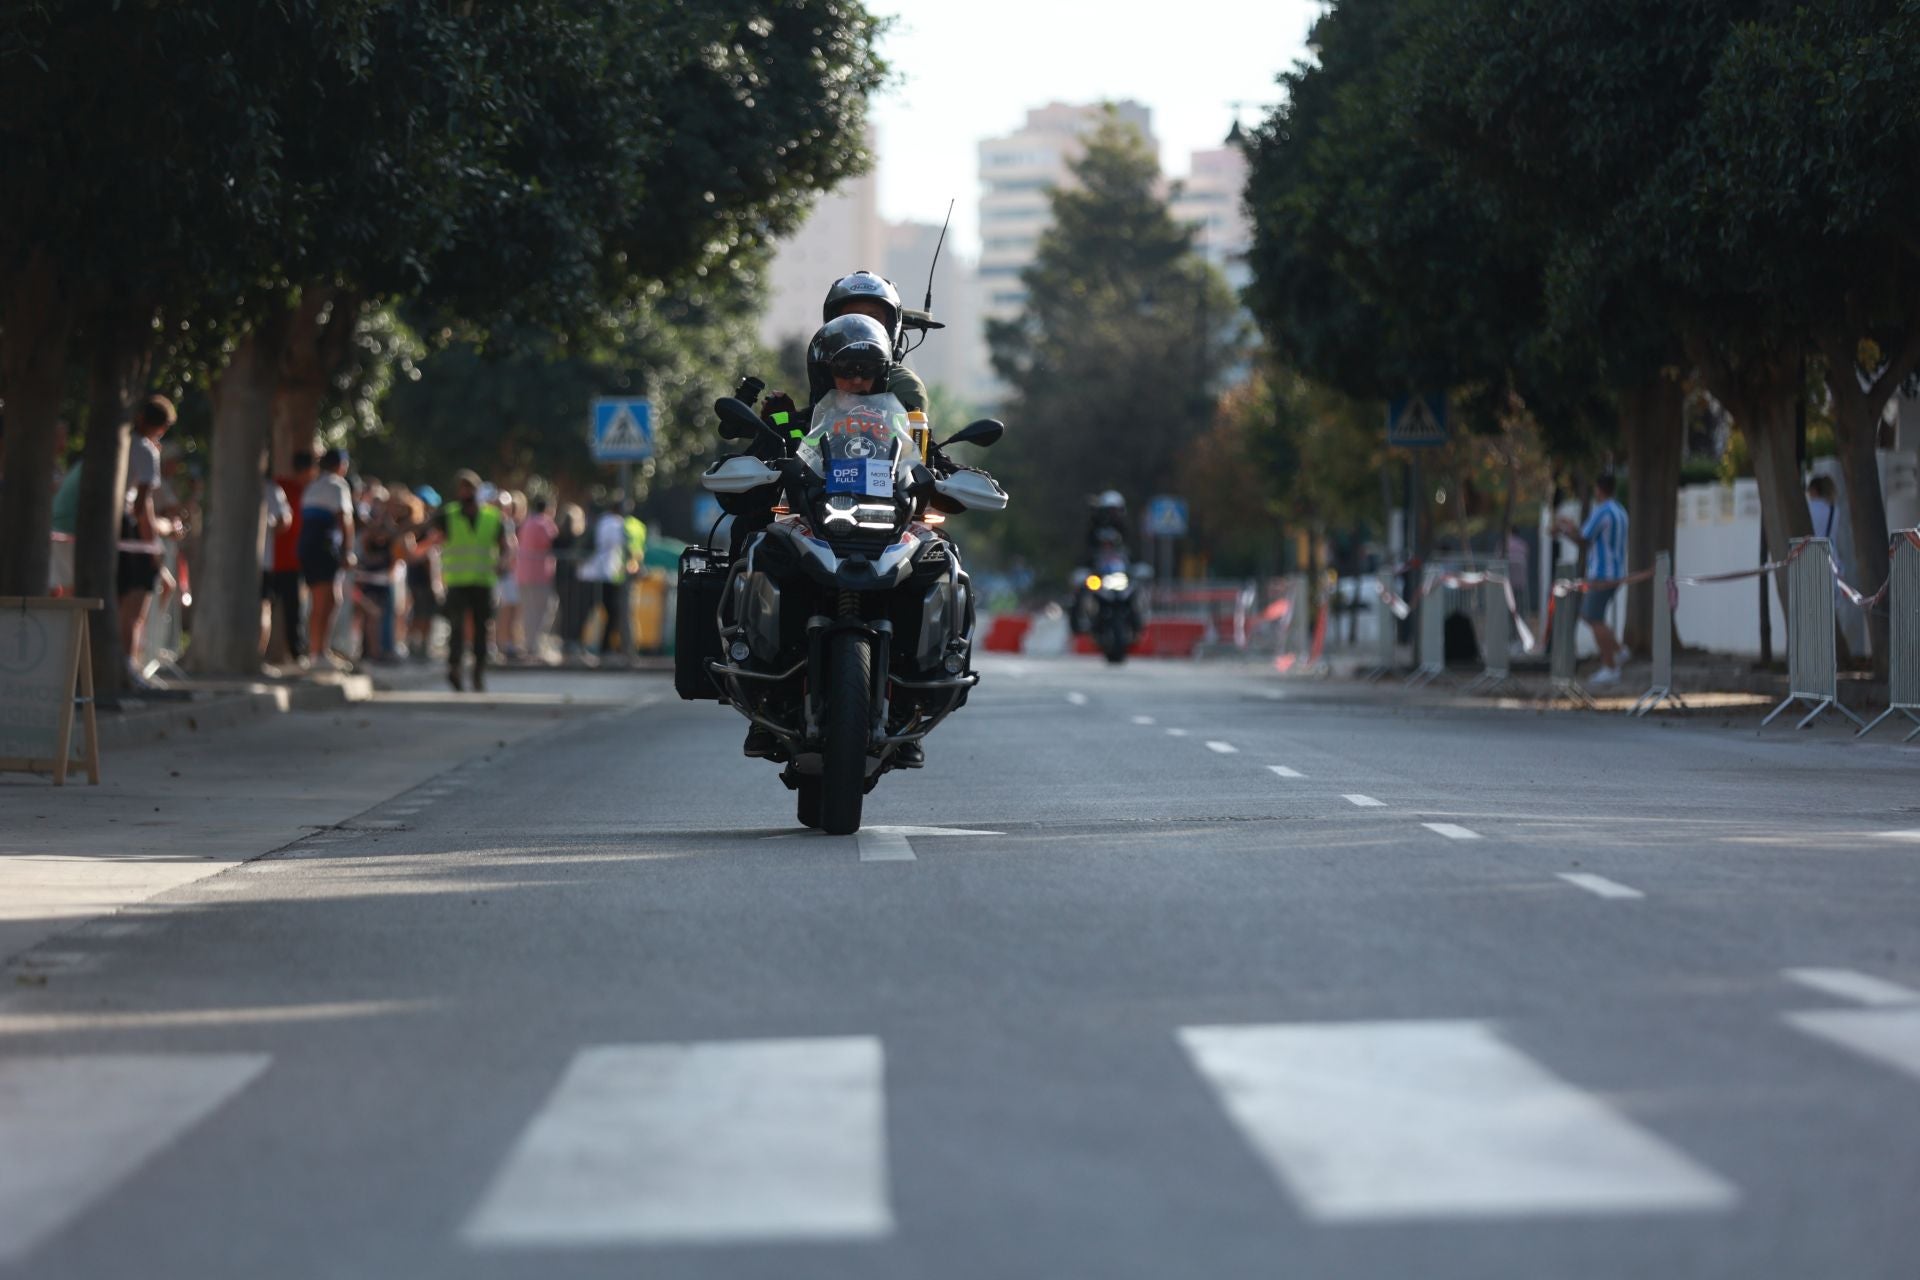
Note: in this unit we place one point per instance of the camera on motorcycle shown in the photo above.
(738, 421)
(983, 432)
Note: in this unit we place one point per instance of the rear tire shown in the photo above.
(809, 801)
(843, 776)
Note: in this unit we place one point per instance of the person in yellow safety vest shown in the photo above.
(474, 547)
(636, 545)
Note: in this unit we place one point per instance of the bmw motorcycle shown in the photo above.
(1112, 607)
(845, 628)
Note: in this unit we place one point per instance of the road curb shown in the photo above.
(223, 708)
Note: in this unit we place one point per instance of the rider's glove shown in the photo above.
(749, 389)
(779, 413)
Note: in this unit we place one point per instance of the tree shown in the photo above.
(1117, 359)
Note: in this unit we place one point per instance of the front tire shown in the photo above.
(809, 801)
(843, 776)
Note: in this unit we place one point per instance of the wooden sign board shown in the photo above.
(45, 672)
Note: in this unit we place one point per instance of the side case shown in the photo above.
(696, 625)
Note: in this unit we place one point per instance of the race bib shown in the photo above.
(863, 477)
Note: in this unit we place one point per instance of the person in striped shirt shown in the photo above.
(1605, 538)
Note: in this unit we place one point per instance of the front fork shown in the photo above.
(879, 635)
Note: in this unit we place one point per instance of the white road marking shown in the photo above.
(1372, 1121)
(76, 1127)
(1077, 698)
(1285, 772)
(709, 1143)
(1143, 719)
(883, 846)
(1849, 984)
(1223, 748)
(1365, 802)
(1888, 1036)
(1901, 835)
(1176, 733)
(884, 830)
(405, 811)
(1600, 885)
(1450, 831)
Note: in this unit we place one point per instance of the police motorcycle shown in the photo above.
(845, 627)
(1112, 603)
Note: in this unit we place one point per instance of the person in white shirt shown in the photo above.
(326, 547)
(608, 567)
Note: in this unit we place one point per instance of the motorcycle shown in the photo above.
(1112, 606)
(845, 627)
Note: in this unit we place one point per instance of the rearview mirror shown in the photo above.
(738, 421)
(982, 432)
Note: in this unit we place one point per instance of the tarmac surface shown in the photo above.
(1163, 970)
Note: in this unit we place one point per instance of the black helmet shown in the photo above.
(865, 286)
(849, 345)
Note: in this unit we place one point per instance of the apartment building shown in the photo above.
(1018, 173)
(1211, 201)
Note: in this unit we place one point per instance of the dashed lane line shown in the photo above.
(1077, 698)
(1223, 748)
(1364, 802)
(1451, 831)
(1143, 720)
(1285, 772)
(1600, 886)
(1176, 733)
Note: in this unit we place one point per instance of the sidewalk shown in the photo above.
(220, 781)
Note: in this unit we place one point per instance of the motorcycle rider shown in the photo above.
(851, 354)
(1106, 541)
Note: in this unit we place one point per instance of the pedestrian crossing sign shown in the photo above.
(1417, 422)
(622, 430)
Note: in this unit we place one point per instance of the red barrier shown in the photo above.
(1006, 631)
(1169, 638)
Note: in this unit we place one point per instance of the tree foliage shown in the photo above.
(1116, 362)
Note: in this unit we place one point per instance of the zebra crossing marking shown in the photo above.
(704, 1143)
(1889, 1036)
(74, 1127)
(1382, 1121)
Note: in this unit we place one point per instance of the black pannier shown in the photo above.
(696, 625)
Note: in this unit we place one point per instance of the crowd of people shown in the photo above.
(378, 563)
(355, 571)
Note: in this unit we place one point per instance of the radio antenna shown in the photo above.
(928, 306)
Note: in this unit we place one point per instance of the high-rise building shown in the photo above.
(1211, 200)
(1018, 174)
(843, 233)
(953, 357)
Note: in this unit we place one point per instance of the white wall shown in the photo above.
(1718, 531)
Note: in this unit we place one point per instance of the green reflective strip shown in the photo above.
(797, 434)
(780, 417)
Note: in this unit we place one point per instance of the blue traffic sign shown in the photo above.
(1417, 422)
(1167, 517)
(706, 514)
(622, 430)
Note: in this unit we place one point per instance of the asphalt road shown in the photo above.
(1154, 972)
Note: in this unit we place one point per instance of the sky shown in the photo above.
(969, 69)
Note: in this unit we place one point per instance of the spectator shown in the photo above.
(1605, 538)
(507, 625)
(423, 584)
(475, 545)
(380, 547)
(276, 513)
(533, 570)
(137, 571)
(607, 569)
(326, 548)
(284, 578)
(570, 593)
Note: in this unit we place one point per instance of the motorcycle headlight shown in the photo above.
(847, 512)
(1115, 582)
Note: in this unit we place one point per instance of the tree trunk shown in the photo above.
(322, 327)
(1856, 429)
(1761, 394)
(226, 632)
(1650, 423)
(122, 345)
(38, 319)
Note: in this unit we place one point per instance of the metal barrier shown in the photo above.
(1813, 672)
(1430, 635)
(1563, 646)
(1387, 637)
(1903, 651)
(1496, 633)
(1661, 687)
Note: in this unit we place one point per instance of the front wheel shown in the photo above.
(843, 774)
(808, 790)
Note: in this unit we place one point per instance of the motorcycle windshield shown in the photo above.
(859, 445)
